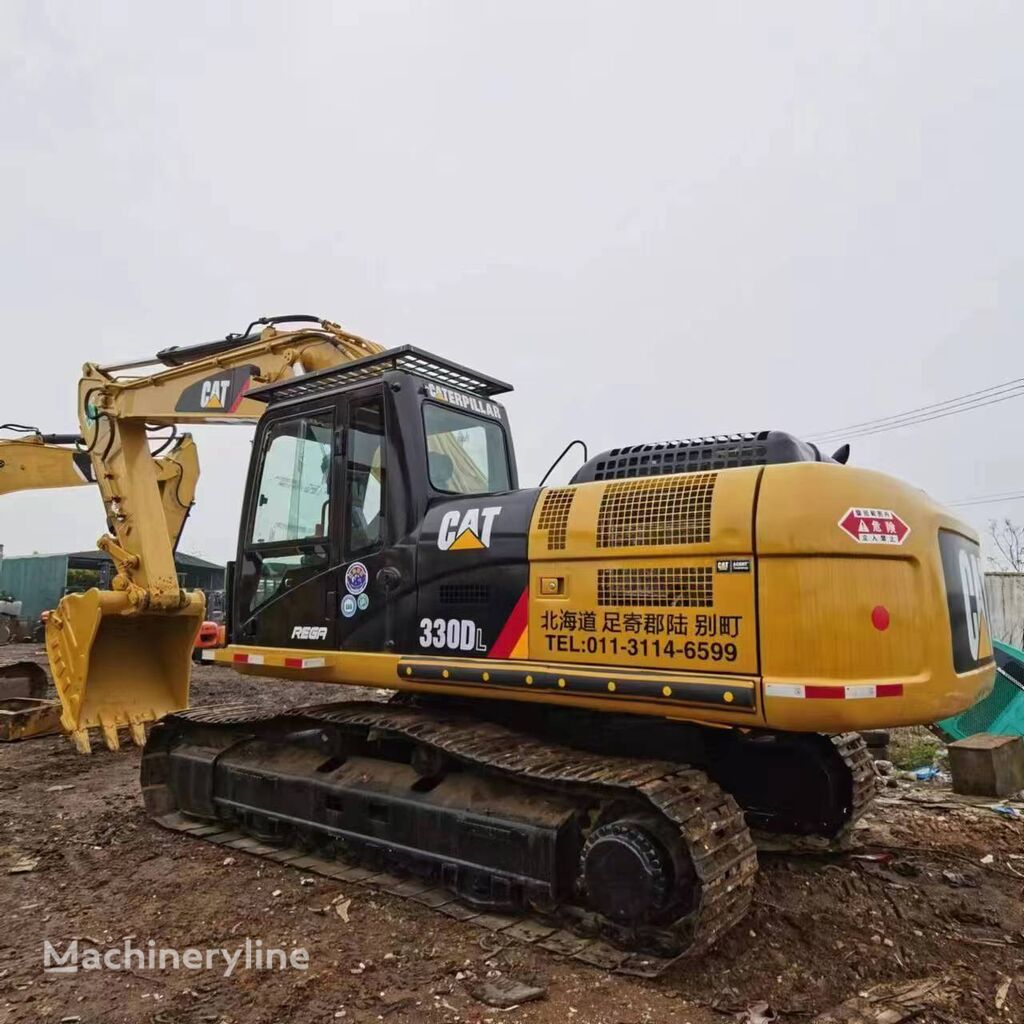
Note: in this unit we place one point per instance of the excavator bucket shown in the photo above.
(115, 667)
(24, 709)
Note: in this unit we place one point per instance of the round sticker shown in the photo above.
(348, 606)
(356, 578)
(363, 601)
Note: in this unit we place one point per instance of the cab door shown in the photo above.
(361, 522)
(287, 563)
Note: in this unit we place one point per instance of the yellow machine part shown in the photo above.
(747, 572)
(115, 667)
(27, 464)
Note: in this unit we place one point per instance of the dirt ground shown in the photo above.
(913, 901)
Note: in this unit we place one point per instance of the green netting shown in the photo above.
(1001, 713)
(37, 581)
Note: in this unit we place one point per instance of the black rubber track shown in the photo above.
(710, 823)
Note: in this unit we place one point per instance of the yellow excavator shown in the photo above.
(605, 690)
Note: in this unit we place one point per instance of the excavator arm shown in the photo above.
(120, 658)
(40, 461)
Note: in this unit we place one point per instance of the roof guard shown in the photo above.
(406, 357)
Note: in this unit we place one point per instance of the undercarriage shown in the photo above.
(628, 858)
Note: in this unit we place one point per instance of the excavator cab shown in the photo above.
(347, 464)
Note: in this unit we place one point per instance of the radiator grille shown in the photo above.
(653, 512)
(464, 593)
(674, 587)
(554, 515)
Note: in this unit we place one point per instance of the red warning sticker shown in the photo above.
(874, 526)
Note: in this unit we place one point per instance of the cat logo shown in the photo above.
(470, 402)
(468, 529)
(220, 392)
(214, 394)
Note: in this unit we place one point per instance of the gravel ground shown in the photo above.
(916, 901)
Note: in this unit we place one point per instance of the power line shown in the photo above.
(925, 413)
(988, 499)
(925, 408)
(908, 419)
(927, 419)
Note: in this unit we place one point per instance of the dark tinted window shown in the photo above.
(465, 454)
(365, 475)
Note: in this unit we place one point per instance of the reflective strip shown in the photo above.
(248, 659)
(304, 662)
(209, 654)
(889, 690)
(783, 690)
(824, 692)
(860, 692)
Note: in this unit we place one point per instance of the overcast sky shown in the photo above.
(655, 219)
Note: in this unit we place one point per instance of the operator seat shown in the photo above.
(442, 471)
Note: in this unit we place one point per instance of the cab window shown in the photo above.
(365, 470)
(466, 454)
(293, 495)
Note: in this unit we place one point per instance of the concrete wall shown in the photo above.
(1005, 594)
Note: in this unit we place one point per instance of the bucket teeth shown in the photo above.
(110, 735)
(116, 667)
(80, 738)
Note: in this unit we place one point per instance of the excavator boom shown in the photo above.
(121, 658)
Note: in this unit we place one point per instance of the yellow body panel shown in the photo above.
(574, 626)
(747, 571)
(817, 591)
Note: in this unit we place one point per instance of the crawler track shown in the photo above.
(709, 822)
(853, 751)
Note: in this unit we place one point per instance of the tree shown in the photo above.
(82, 579)
(1008, 538)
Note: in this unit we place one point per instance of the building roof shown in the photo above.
(180, 558)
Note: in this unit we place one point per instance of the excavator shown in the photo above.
(602, 694)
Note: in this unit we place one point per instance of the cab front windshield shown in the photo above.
(466, 454)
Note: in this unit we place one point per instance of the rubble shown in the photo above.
(504, 992)
(889, 1003)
